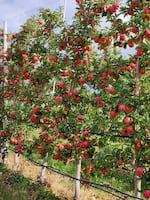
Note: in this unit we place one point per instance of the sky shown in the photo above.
(16, 12)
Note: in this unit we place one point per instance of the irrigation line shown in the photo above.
(72, 177)
(92, 184)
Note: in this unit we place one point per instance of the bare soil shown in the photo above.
(61, 186)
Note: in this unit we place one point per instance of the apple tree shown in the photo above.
(73, 84)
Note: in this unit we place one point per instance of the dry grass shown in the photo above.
(61, 186)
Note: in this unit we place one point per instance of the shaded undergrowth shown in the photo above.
(14, 186)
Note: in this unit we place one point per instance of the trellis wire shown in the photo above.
(102, 187)
(115, 135)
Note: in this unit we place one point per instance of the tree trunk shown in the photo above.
(137, 186)
(16, 162)
(4, 145)
(4, 153)
(41, 178)
(77, 182)
(137, 179)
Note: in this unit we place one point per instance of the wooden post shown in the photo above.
(77, 182)
(41, 178)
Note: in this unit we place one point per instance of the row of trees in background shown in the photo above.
(73, 82)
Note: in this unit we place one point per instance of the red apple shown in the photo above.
(101, 105)
(43, 128)
(147, 13)
(131, 12)
(60, 147)
(42, 153)
(104, 172)
(139, 52)
(81, 81)
(68, 31)
(80, 117)
(40, 22)
(130, 129)
(56, 133)
(121, 107)
(91, 76)
(123, 133)
(110, 71)
(35, 109)
(86, 133)
(112, 114)
(75, 92)
(49, 140)
(85, 61)
(79, 39)
(12, 114)
(69, 145)
(139, 171)
(128, 109)
(52, 126)
(62, 84)
(64, 97)
(134, 29)
(137, 146)
(14, 141)
(77, 99)
(127, 120)
(34, 118)
(103, 85)
(147, 194)
(1, 34)
(111, 90)
(57, 99)
(147, 34)
(97, 99)
(20, 149)
(65, 73)
(35, 59)
(122, 37)
(142, 71)
(70, 93)
(130, 43)
(85, 144)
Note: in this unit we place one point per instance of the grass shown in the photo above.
(17, 187)
(56, 184)
(120, 179)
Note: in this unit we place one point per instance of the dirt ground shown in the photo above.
(61, 186)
